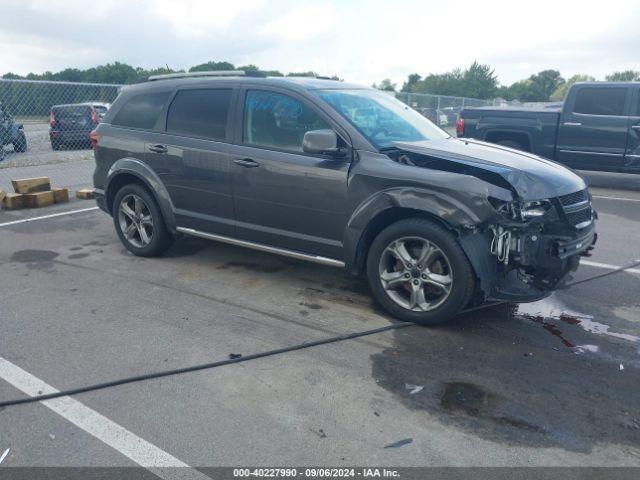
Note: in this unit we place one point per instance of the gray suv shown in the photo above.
(341, 175)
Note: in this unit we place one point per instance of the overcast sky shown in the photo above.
(360, 41)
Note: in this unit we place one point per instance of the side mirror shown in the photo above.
(320, 141)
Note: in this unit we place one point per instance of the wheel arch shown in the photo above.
(388, 207)
(128, 170)
(520, 137)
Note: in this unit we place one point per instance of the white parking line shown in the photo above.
(4, 455)
(624, 199)
(608, 266)
(44, 217)
(143, 453)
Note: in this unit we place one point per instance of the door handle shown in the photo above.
(157, 148)
(572, 124)
(246, 162)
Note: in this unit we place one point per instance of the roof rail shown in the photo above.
(216, 73)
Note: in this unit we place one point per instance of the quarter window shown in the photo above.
(277, 121)
(200, 113)
(601, 101)
(141, 111)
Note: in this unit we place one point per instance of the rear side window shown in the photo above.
(72, 111)
(200, 113)
(141, 111)
(601, 101)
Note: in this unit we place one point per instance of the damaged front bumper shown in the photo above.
(525, 263)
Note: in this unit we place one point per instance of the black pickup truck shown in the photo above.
(596, 128)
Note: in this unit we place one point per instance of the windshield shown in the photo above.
(380, 117)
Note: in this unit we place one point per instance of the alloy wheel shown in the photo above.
(136, 221)
(415, 273)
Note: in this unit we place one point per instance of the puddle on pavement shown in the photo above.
(33, 256)
(551, 314)
(36, 259)
(488, 375)
(466, 397)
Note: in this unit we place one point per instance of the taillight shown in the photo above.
(52, 119)
(460, 127)
(94, 136)
(94, 116)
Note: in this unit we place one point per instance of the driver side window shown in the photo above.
(277, 121)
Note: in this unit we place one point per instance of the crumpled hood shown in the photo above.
(532, 177)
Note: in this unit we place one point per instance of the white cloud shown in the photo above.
(362, 41)
(202, 17)
(303, 22)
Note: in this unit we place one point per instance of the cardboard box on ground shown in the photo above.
(36, 193)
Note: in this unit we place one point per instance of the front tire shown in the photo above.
(139, 222)
(419, 273)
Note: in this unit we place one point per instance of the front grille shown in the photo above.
(575, 197)
(581, 216)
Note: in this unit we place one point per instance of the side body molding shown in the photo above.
(133, 166)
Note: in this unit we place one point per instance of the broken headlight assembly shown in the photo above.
(521, 211)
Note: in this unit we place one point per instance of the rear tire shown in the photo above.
(139, 222)
(431, 284)
(20, 144)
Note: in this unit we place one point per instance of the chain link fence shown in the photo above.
(47, 124)
(443, 110)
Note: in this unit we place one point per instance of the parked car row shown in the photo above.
(70, 126)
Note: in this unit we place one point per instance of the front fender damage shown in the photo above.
(520, 261)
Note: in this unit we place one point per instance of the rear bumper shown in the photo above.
(101, 199)
(74, 136)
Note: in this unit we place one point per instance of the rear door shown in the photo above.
(191, 156)
(632, 155)
(593, 128)
(283, 196)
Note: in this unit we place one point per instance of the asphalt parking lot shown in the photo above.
(554, 383)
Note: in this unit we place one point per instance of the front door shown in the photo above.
(593, 128)
(283, 196)
(192, 159)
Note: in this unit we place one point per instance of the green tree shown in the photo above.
(479, 81)
(412, 80)
(212, 66)
(543, 84)
(386, 85)
(562, 90)
(626, 76)
(302, 74)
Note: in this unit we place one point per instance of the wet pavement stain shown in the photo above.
(36, 259)
(312, 306)
(465, 397)
(551, 328)
(497, 375)
(33, 256)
